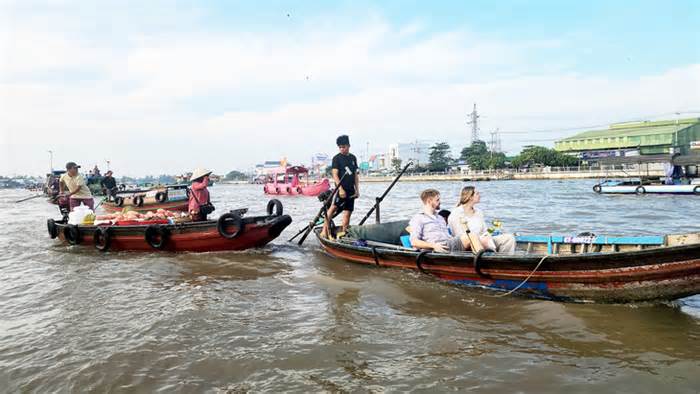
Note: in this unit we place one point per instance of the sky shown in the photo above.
(162, 87)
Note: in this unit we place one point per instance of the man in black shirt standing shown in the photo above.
(348, 189)
(109, 185)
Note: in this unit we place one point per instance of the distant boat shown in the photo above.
(170, 197)
(645, 187)
(294, 181)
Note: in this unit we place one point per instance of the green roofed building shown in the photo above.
(635, 138)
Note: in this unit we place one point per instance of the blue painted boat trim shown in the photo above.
(601, 240)
(507, 284)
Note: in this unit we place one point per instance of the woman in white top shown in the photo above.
(467, 216)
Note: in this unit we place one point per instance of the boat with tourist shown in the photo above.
(583, 268)
(294, 181)
(171, 232)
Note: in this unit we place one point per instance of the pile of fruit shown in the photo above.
(128, 217)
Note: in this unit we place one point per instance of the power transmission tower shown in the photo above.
(474, 122)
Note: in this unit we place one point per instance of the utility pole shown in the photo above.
(50, 161)
(367, 157)
(495, 143)
(473, 121)
(498, 140)
(108, 163)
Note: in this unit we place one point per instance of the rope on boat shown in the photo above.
(526, 279)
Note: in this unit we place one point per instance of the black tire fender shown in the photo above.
(227, 219)
(696, 190)
(640, 190)
(137, 201)
(161, 196)
(419, 260)
(275, 205)
(71, 233)
(53, 229)
(597, 189)
(119, 201)
(102, 238)
(477, 263)
(300, 190)
(157, 236)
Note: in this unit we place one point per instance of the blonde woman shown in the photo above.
(468, 216)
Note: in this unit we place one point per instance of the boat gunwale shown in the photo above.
(459, 258)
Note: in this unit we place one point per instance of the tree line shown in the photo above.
(478, 157)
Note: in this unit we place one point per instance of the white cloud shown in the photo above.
(162, 102)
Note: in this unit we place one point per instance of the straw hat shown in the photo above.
(199, 173)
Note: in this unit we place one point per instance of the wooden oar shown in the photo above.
(388, 189)
(330, 200)
(30, 198)
(474, 239)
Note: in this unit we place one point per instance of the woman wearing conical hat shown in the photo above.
(199, 203)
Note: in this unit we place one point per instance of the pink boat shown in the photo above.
(294, 181)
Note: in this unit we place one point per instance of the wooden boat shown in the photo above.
(232, 231)
(640, 187)
(582, 269)
(170, 197)
(294, 181)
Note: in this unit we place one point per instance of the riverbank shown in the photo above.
(502, 176)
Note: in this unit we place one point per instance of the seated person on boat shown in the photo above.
(466, 215)
(78, 193)
(429, 229)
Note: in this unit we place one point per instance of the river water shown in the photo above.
(285, 318)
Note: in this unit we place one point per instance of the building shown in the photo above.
(664, 137)
(417, 151)
(319, 162)
(379, 162)
(267, 167)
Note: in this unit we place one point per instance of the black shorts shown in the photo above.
(344, 204)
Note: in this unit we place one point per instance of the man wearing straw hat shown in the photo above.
(199, 204)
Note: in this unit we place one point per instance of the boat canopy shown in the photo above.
(292, 170)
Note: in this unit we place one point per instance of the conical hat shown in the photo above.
(198, 173)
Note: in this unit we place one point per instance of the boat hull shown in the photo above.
(626, 188)
(664, 273)
(187, 237)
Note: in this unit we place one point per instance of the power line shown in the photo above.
(638, 119)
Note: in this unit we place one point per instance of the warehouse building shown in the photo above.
(667, 137)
